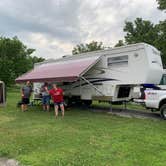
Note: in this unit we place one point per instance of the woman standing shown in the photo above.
(57, 97)
(45, 97)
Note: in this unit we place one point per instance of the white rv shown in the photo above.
(2, 94)
(111, 76)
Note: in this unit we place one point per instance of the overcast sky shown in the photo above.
(54, 27)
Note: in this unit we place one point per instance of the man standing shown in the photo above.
(57, 96)
(25, 94)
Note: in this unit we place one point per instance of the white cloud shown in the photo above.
(46, 46)
(53, 27)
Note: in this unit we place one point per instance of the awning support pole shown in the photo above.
(80, 85)
(92, 85)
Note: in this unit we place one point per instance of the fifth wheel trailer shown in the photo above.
(106, 75)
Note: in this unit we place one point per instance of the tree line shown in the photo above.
(15, 59)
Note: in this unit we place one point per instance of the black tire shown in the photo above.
(163, 111)
(67, 102)
(87, 102)
(78, 102)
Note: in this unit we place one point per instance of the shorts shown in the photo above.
(46, 100)
(58, 103)
(25, 100)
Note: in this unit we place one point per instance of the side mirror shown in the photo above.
(2, 94)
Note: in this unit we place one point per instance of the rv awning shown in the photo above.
(60, 71)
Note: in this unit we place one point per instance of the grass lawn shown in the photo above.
(82, 138)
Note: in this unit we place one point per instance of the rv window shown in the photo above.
(118, 61)
(163, 80)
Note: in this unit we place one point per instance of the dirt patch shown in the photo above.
(8, 162)
(136, 114)
(129, 113)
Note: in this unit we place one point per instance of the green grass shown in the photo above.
(82, 138)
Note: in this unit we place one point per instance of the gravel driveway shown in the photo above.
(136, 114)
(142, 114)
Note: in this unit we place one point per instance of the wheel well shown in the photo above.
(162, 102)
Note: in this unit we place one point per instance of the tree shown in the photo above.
(34, 59)
(120, 43)
(160, 42)
(92, 46)
(162, 4)
(140, 31)
(15, 59)
(145, 31)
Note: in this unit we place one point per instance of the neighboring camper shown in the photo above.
(106, 75)
(2, 94)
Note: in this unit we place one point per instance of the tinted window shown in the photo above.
(163, 80)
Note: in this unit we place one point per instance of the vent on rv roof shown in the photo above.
(118, 61)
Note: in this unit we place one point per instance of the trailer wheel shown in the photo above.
(67, 101)
(163, 111)
(87, 102)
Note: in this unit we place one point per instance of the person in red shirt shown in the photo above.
(57, 97)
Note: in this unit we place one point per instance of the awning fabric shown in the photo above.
(60, 71)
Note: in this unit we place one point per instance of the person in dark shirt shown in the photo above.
(25, 94)
(57, 97)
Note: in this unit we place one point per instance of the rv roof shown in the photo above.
(130, 47)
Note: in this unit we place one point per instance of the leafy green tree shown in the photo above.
(140, 31)
(120, 43)
(160, 42)
(145, 31)
(15, 59)
(34, 59)
(162, 4)
(92, 46)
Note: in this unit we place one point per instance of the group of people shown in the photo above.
(47, 92)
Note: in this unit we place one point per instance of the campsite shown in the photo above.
(84, 136)
(81, 138)
(83, 83)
